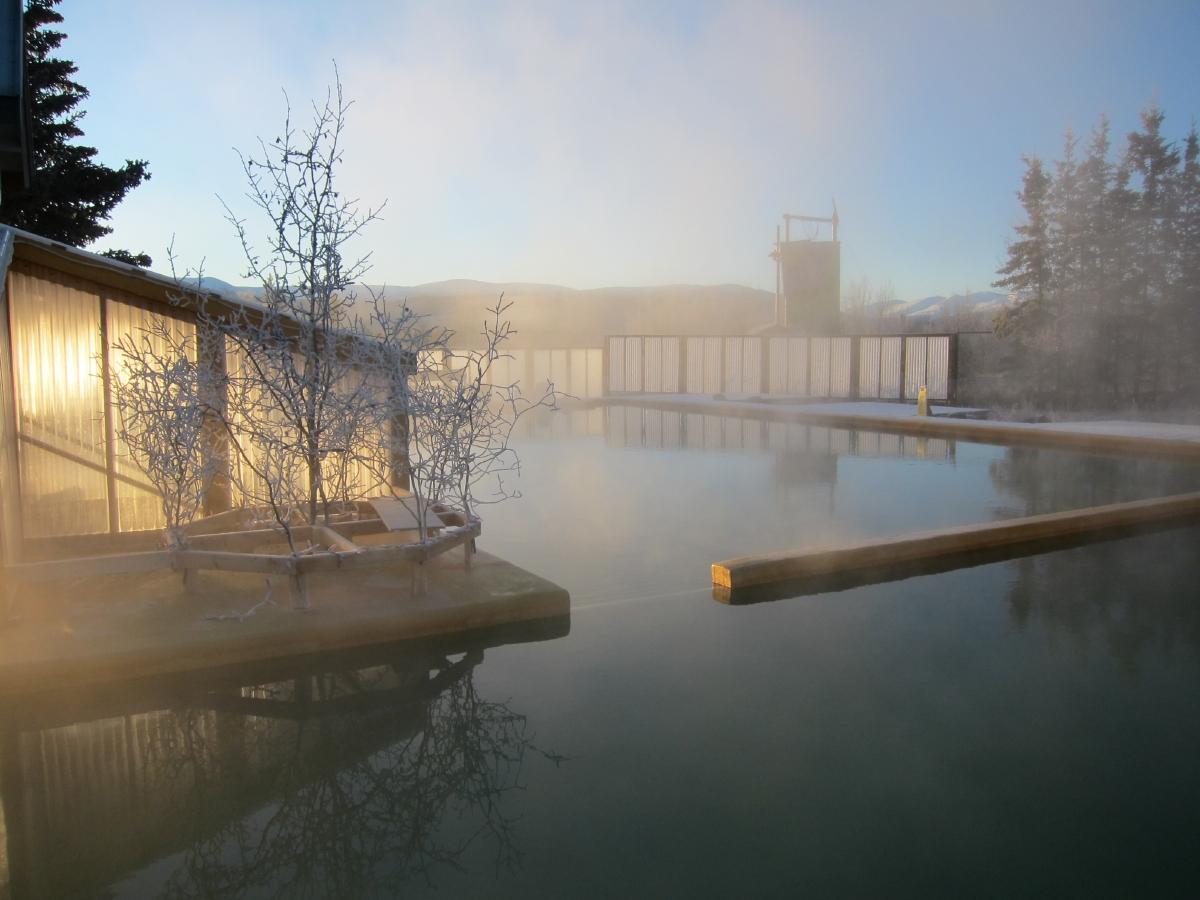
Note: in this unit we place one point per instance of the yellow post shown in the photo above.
(922, 402)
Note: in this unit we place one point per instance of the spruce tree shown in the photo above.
(1186, 300)
(1155, 161)
(70, 195)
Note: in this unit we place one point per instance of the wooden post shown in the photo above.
(903, 367)
(683, 364)
(721, 370)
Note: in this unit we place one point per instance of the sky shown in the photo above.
(599, 144)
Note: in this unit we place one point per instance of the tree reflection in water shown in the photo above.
(1084, 593)
(337, 784)
(349, 830)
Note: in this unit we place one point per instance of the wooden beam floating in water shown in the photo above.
(880, 559)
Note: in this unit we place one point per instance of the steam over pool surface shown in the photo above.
(1026, 728)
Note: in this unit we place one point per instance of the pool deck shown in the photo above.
(115, 628)
(1126, 438)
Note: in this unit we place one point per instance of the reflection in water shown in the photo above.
(654, 429)
(326, 784)
(1088, 596)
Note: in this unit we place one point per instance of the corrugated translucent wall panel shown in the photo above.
(733, 366)
(652, 374)
(777, 359)
(695, 366)
(868, 367)
(55, 323)
(560, 369)
(577, 381)
(797, 366)
(712, 365)
(752, 364)
(129, 318)
(937, 373)
(541, 371)
(595, 370)
(839, 367)
(890, 377)
(818, 369)
(914, 365)
(670, 362)
(633, 364)
(662, 365)
(616, 364)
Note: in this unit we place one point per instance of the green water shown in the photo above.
(1028, 728)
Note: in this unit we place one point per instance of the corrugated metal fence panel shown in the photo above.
(937, 372)
(616, 364)
(595, 371)
(752, 365)
(541, 371)
(914, 365)
(890, 376)
(712, 365)
(733, 366)
(670, 365)
(839, 366)
(695, 365)
(797, 366)
(777, 356)
(560, 369)
(652, 374)
(818, 368)
(577, 374)
(868, 367)
(633, 364)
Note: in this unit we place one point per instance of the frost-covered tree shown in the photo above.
(163, 398)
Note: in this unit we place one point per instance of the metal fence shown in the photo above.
(862, 367)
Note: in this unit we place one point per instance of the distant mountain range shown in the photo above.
(979, 302)
(554, 315)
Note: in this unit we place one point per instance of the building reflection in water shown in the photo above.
(328, 782)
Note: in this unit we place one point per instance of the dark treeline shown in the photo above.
(1107, 269)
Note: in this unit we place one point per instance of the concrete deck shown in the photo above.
(1161, 440)
(117, 628)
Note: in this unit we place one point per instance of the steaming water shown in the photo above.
(1025, 728)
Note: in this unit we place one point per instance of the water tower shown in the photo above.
(808, 276)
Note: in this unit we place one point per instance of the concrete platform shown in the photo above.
(1160, 440)
(118, 628)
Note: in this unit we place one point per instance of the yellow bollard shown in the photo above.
(922, 402)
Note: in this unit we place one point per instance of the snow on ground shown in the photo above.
(884, 409)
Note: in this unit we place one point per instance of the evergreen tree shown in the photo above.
(1027, 274)
(70, 194)
(1187, 250)
(1155, 161)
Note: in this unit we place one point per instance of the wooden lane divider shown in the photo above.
(878, 558)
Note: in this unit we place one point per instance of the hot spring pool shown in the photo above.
(1025, 728)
